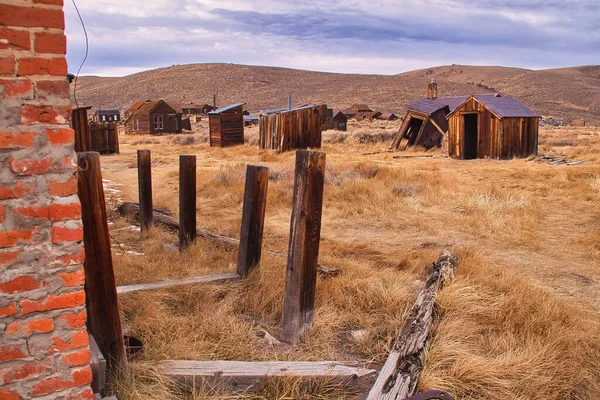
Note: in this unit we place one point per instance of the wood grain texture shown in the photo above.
(303, 251)
(253, 218)
(187, 200)
(215, 278)
(101, 293)
(145, 189)
(399, 376)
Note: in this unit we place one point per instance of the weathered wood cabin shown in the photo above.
(153, 117)
(107, 116)
(361, 108)
(189, 109)
(388, 117)
(348, 112)
(475, 126)
(289, 129)
(340, 121)
(494, 127)
(226, 125)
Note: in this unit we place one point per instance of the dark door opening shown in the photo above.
(413, 131)
(470, 136)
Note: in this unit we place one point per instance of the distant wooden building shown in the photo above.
(250, 120)
(579, 123)
(153, 117)
(361, 109)
(289, 129)
(340, 121)
(226, 125)
(475, 126)
(348, 112)
(107, 116)
(388, 117)
(134, 107)
(206, 108)
(328, 119)
(189, 109)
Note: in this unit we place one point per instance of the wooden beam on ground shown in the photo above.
(244, 375)
(216, 278)
(145, 189)
(253, 218)
(187, 200)
(400, 373)
(165, 218)
(303, 251)
(414, 156)
(102, 305)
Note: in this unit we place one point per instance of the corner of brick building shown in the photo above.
(44, 351)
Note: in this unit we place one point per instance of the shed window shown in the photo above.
(158, 122)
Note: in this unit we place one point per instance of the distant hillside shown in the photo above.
(566, 93)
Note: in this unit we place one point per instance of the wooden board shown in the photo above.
(215, 278)
(244, 375)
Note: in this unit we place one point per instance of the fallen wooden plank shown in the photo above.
(216, 278)
(400, 373)
(163, 217)
(98, 365)
(244, 375)
(414, 156)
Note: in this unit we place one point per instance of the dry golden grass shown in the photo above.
(520, 321)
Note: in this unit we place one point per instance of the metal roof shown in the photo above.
(226, 108)
(107, 112)
(506, 106)
(283, 110)
(250, 118)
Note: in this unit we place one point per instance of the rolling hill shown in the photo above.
(566, 93)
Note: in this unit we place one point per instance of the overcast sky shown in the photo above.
(355, 36)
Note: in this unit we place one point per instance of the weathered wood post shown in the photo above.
(303, 250)
(145, 189)
(187, 200)
(253, 218)
(101, 291)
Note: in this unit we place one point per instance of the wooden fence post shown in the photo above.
(145, 189)
(253, 218)
(303, 250)
(187, 200)
(101, 291)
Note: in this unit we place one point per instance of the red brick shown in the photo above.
(52, 302)
(12, 352)
(21, 329)
(60, 136)
(63, 234)
(85, 394)
(50, 43)
(33, 212)
(22, 283)
(8, 310)
(24, 371)
(11, 237)
(7, 394)
(51, 385)
(7, 64)
(43, 66)
(31, 166)
(74, 320)
(18, 40)
(71, 259)
(83, 376)
(33, 114)
(75, 341)
(2, 211)
(47, 89)
(31, 17)
(77, 359)
(66, 188)
(59, 212)
(10, 140)
(73, 278)
(13, 192)
(17, 88)
(49, 2)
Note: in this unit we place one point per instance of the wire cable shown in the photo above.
(84, 58)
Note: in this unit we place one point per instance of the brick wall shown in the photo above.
(44, 350)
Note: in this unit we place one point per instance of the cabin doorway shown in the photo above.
(470, 136)
(413, 131)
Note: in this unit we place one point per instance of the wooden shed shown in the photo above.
(153, 117)
(226, 125)
(340, 121)
(492, 126)
(289, 129)
(388, 117)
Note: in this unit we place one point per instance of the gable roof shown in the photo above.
(501, 107)
(429, 106)
(338, 114)
(226, 108)
(107, 112)
(147, 107)
(387, 115)
(137, 105)
(362, 107)
(347, 111)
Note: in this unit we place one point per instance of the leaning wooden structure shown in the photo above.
(226, 125)
(289, 129)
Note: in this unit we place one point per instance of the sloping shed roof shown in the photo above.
(107, 112)
(226, 108)
(250, 118)
(347, 111)
(337, 114)
(283, 110)
(427, 106)
(506, 106)
(362, 107)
